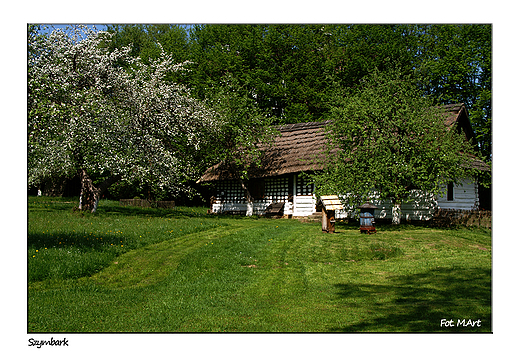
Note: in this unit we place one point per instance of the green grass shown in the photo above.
(151, 270)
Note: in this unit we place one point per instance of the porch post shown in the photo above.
(294, 195)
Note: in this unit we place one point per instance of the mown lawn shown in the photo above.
(150, 270)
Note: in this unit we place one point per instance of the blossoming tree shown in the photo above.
(108, 117)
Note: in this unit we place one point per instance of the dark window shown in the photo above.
(450, 191)
(304, 187)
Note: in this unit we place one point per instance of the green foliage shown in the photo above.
(392, 140)
(454, 62)
(357, 50)
(242, 127)
(290, 70)
(280, 66)
(149, 41)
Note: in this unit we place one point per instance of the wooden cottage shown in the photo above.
(279, 179)
(297, 150)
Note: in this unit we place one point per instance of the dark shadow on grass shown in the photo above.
(72, 240)
(148, 212)
(49, 204)
(113, 208)
(381, 227)
(418, 302)
(177, 212)
(386, 226)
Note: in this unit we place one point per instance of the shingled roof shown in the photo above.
(294, 150)
(456, 114)
(301, 147)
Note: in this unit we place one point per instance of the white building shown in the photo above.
(280, 178)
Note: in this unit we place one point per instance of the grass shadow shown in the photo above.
(386, 226)
(75, 240)
(108, 207)
(353, 225)
(418, 302)
(113, 208)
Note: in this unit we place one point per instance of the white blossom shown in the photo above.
(88, 112)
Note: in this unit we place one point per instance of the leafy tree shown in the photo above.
(243, 127)
(280, 66)
(89, 115)
(297, 85)
(454, 62)
(357, 50)
(148, 41)
(290, 70)
(391, 140)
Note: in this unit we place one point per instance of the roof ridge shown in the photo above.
(302, 126)
(452, 107)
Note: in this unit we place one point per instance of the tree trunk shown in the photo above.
(396, 213)
(249, 211)
(90, 194)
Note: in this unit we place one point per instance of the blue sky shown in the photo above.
(52, 27)
(100, 27)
